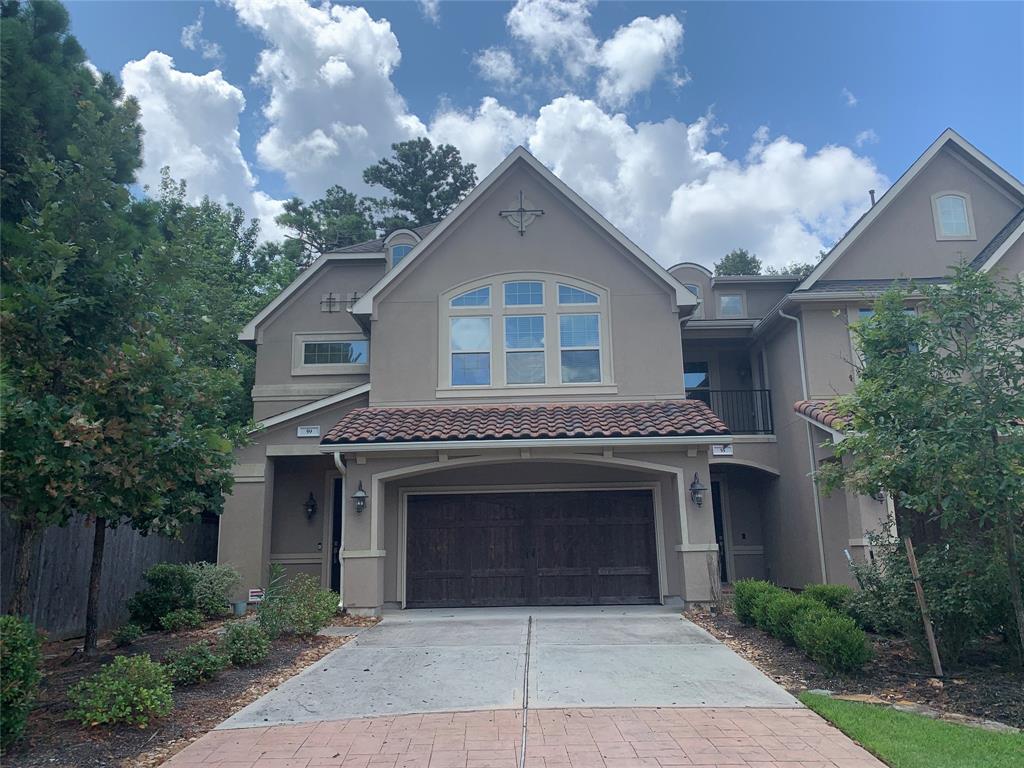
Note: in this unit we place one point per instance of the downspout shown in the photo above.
(342, 469)
(810, 444)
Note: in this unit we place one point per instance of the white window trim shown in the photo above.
(573, 303)
(489, 351)
(971, 232)
(299, 368)
(552, 351)
(544, 293)
(718, 305)
(561, 349)
(488, 305)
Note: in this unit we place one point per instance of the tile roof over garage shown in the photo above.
(664, 418)
(822, 411)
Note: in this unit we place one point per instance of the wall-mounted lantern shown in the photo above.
(359, 497)
(310, 507)
(697, 490)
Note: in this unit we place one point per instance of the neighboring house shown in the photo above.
(518, 406)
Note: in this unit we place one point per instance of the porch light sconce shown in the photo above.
(310, 507)
(697, 490)
(359, 497)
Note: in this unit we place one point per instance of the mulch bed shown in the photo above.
(53, 741)
(986, 684)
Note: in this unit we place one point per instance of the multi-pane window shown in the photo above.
(952, 217)
(524, 293)
(335, 352)
(399, 252)
(470, 339)
(524, 349)
(568, 294)
(479, 297)
(579, 340)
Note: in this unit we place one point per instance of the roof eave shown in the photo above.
(545, 442)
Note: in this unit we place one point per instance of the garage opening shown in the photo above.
(531, 548)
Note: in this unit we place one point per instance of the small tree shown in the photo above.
(425, 182)
(339, 218)
(738, 262)
(935, 418)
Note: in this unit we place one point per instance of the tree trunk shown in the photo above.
(92, 607)
(1013, 566)
(27, 537)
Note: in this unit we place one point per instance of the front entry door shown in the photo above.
(716, 506)
(541, 548)
(337, 501)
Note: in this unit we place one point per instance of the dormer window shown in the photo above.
(399, 252)
(953, 217)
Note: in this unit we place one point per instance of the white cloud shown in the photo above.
(556, 31)
(332, 108)
(484, 135)
(851, 100)
(635, 55)
(431, 10)
(497, 66)
(866, 137)
(93, 70)
(191, 125)
(192, 38)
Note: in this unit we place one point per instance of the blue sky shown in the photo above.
(880, 80)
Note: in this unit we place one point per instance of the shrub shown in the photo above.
(762, 601)
(831, 638)
(213, 587)
(747, 592)
(782, 610)
(171, 586)
(131, 689)
(246, 644)
(19, 673)
(126, 634)
(834, 596)
(181, 618)
(295, 606)
(194, 664)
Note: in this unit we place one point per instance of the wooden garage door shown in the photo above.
(543, 548)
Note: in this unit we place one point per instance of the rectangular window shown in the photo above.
(524, 293)
(524, 349)
(579, 339)
(335, 352)
(471, 351)
(697, 381)
(730, 305)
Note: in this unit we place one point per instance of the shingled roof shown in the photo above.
(663, 418)
(377, 246)
(821, 411)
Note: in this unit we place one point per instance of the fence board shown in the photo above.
(60, 570)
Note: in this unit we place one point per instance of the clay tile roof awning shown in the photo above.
(666, 418)
(822, 411)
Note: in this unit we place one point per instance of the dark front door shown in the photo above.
(716, 508)
(543, 548)
(336, 504)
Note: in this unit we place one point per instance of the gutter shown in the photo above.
(810, 444)
(545, 442)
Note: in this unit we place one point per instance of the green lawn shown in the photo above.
(903, 740)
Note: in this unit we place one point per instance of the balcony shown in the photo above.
(744, 411)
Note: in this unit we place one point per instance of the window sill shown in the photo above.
(528, 390)
(334, 369)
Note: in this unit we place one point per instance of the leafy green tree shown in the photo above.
(425, 182)
(800, 269)
(337, 219)
(738, 262)
(936, 416)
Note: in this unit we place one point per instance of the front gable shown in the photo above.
(899, 236)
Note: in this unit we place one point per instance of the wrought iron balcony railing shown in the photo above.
(744, 411)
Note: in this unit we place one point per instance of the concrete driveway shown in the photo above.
(488, 659)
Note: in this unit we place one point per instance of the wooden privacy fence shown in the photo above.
(60, 570)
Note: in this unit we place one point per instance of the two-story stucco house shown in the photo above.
(518, 406)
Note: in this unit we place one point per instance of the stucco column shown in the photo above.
(244, 540)
(361, 557)
(698, 551)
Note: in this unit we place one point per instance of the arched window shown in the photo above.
(953, 217)
(538, 331)
(399, 252)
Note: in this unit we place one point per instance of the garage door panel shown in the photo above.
(543, 548)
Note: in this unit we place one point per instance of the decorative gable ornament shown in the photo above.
(522, 216)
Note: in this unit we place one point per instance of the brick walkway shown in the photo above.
(560, 738)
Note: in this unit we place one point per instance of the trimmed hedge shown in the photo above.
(20, 657)
(834, 596)
(825, 634)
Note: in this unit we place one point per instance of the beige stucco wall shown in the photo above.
(1011, 265)
(828, 350)
(642, 311)
(902, 242)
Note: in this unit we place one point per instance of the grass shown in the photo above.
(904, 740)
